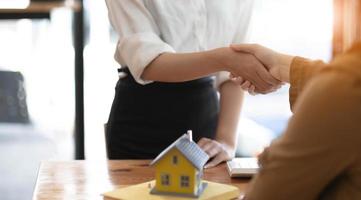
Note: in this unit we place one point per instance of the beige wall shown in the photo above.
(347, 24)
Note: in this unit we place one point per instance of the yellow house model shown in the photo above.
(179, 168)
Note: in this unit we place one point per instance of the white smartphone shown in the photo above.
(242, 167)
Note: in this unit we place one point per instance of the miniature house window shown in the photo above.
(184, 181)
(175, 160)
(165, 179)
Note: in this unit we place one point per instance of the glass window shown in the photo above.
(165, 179)
(36, 99)
(184, 181)
(175, 160)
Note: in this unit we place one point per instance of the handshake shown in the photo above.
(257, 69)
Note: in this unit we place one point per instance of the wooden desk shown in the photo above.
(88, 180)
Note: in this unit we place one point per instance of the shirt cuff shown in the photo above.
(296, 74)
(221, 77)
(138, 51)
(301, 71)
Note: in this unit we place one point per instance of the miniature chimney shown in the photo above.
(189, 133)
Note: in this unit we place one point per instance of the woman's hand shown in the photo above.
(278, 64)
(217, 151)
(248, 86)
(249, 68)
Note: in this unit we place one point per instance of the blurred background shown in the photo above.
(37, 61)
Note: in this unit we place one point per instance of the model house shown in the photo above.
(179, 168)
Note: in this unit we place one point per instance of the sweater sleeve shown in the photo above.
(302, 70)
(321, 142)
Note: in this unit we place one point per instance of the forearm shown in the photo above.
(231, 98)
(314, 140)
(179, 67)
(300, 72)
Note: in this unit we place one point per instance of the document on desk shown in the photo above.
(242, 167)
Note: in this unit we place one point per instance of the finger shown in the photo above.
(216, 160)
(213, 151)
(249, 48)
(245, 86)
(275, 88)
(267, 77)
(202, 142)
(279, 86)
(239, 80)
(263, 72)
(274, 81)
(233, 77)
(207, 147)
(256, 76)
(252, 91)
(261, 85)
(272, 90)
(264, 81)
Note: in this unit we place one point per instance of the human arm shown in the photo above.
(320, 142)
(280, 65)
(149, 58)
(176, 67)
(322, 138)
(223, 147)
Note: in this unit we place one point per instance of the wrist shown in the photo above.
(285, 65)
(228, 145)
(220, 58)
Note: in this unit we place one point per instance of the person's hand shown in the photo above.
(247, 86)
(278, 64)
(251, 69)
(217, 151)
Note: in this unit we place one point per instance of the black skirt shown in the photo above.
(145, 119)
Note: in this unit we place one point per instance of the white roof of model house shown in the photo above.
(189, 149)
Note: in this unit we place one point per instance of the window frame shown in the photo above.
(184, 181)
(175, 160)
(165, 179)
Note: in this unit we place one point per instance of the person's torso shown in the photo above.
(348, 184)
(199, 25)
(345, 186)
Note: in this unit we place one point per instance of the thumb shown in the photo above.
(247, 48)
(215, 161)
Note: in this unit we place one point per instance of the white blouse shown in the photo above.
(148, 28)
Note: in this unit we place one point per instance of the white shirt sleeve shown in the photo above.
(241, 34)
(221, 77)
(139, 36)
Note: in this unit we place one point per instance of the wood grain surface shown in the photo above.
(77, 180)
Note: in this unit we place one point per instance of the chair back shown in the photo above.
(13, 106)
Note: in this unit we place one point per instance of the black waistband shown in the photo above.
(129, 80)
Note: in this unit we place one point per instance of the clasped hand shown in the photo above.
(259, 69)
